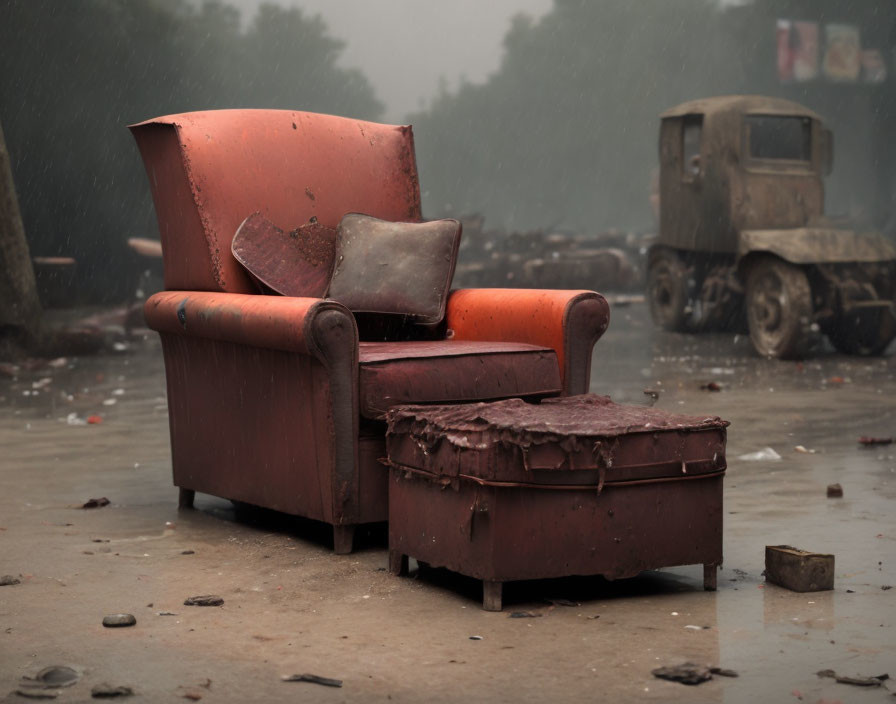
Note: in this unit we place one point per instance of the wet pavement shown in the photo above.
(292, 607)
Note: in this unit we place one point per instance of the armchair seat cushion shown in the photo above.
(448, 371)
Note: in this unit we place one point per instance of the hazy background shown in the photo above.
(532, 113)
(407, 47)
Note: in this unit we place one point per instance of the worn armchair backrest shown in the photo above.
(209, 170)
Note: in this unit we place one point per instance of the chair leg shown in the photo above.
(343, 537)
(491, 595)
(710, 577)
(185, 498)
(398, 563)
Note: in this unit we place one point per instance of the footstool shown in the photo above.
(579, 485)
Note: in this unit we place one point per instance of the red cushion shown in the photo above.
(296, 263)
(447, 371)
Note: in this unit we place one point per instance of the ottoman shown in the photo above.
(578, 485)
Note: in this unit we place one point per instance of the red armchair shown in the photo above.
(273, 401)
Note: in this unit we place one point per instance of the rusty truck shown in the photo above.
(743, 240)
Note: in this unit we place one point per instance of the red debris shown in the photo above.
(94, 420)
(865, 440)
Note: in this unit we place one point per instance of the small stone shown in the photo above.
(835, 491)
(107, 691)
(119, 620)
(205, 600)
(188, 552)
(8, 580)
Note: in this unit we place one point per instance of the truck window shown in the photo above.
(774, 137)
(692, 130)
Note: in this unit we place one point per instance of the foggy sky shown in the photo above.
(405, 46)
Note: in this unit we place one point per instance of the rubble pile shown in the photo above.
(608, 261)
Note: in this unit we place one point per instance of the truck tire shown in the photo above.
(866, 335)
(667, 291)
(779, 308)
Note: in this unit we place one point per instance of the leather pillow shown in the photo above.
(402, 268)
(296, 263)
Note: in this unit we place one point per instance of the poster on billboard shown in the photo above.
(797, 50)
(874, 70)
(785, 53)
(842, 54)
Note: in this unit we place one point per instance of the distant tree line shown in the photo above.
(73, 75)
(565, 132)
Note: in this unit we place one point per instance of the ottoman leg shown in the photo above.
(185, 498)
(491, 595)
(343, 537)
(398, 563)
(710, 577)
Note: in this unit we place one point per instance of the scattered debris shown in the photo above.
(694, 628)
(314, 679)
(804, 450)
(865, 440)
(475, 637)
(690, 673)
(524, 614)
(96, 503)
(94, 420)
(886, 587)
(107, 691)
(51, 678)
(711, 386)
(652, 393)
(765, 454)
(9, 580)
(798, 570)
(686, 673)
(562, 602)
(205, 600)
(858, 681)
(835, 491)
(119, 620)
(167, 613)
(75, 419)
(37, 693)
(188, 552)
(591, 618)
(192, 695)
(723, 672)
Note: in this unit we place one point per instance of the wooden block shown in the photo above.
(798, 570)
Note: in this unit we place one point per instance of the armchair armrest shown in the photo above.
(569, 322)
(311, 326)
(322, 400)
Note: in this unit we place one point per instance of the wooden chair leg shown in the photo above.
(491, 595)
(185, 498)
(398, 563)
(343, 537)
(710, 577)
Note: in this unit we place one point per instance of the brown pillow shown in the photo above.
(295, 263)
(402, 268)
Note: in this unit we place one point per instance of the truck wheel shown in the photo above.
(779, 309)
(667, 290)
(865, 334)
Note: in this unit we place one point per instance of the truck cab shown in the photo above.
(743, 234)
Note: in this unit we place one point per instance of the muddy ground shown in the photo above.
(291, 606)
